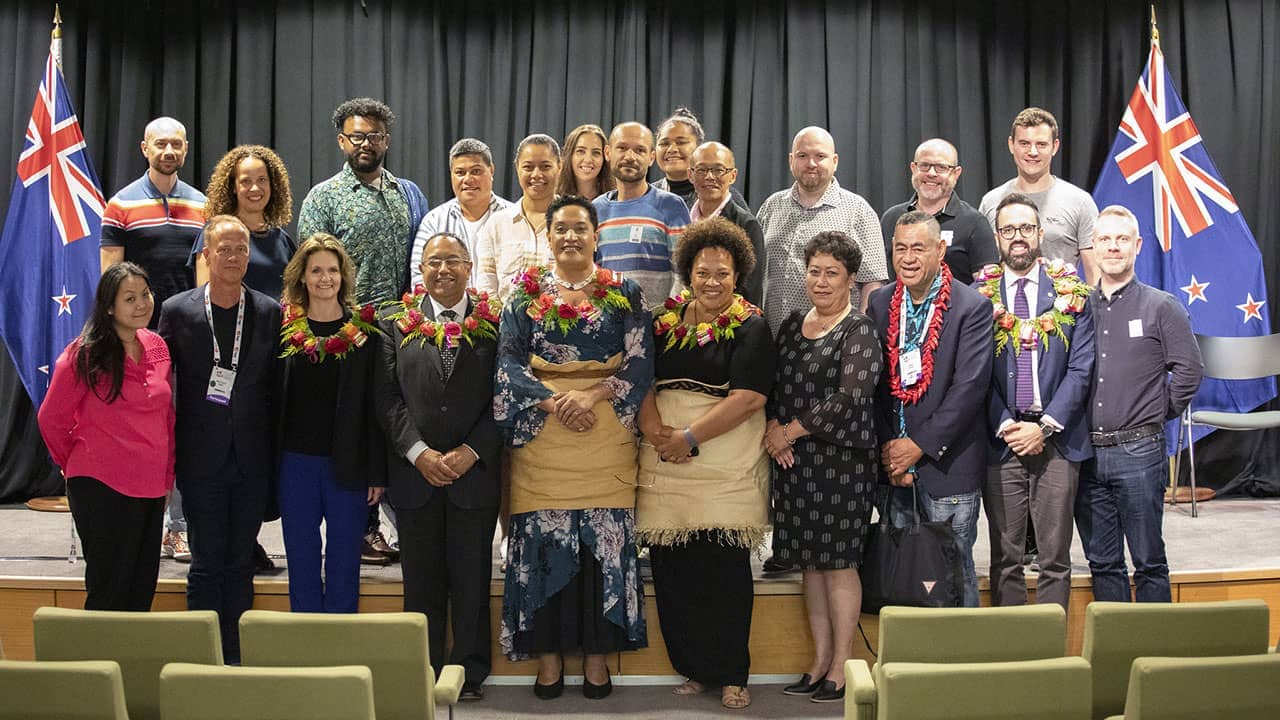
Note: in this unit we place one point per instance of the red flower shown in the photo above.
(1046, 323)
(470, 323)
(367, 313)
(335, 345)
(298, 338)
(1006, 321)
(531, 286)
(671, 303)
(567, 311)
(600, 293)
(723, 321)
(681, 331)
(604, 276)
(407, 298)
(427, 329)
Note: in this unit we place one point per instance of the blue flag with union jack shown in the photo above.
(49, 246)
(1196, 244)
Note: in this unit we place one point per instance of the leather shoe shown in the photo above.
(591, 691)
(262, 562)
(549, 692)
(471, 691)
(828, 692)
(806, 686)
(772, 566)
(376, 542)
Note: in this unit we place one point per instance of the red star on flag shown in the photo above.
(64, 302)
(1251, 308)
(1195, 291)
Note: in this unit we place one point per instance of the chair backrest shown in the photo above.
(142, 643)
(1244, 687)
(1240, 358)
(1116, 633)
(74, 690)
(958, 635)
(1053, 689)
(207, 692)
(392, 645)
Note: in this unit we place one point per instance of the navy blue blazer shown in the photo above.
(948, 423)
(1064, 374)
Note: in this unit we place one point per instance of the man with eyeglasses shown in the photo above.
(934, 173)
(1067, 210)
(713, 172)
(1040, 380)
(376, 216)
(472, 206)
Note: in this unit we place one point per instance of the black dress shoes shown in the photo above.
(471, 691)
(828, 692)
(549, 692)
(591, 691)
(806, 686)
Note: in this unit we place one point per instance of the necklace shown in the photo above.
(482, 322)
(297, 337)
(1011, 331)
(669, 321)
(548, 309)
(817, 316)
(929, 343)
(536, 228)
(575, 285)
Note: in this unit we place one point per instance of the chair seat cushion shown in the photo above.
(1237, 421)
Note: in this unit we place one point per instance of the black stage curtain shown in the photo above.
(881, 75)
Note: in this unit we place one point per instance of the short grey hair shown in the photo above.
(471, 146)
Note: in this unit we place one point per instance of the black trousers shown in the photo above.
(705, 595)
(446, 555)
(224, 513)
(574, 619)
(120, 536)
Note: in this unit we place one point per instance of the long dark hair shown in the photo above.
(101, 353)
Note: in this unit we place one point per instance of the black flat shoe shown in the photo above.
(828, 692)
(591, 691)
(806, 686)
(471, 691)
(549, 692)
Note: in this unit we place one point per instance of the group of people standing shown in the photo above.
(665, 368)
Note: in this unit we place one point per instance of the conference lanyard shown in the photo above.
(235, 344)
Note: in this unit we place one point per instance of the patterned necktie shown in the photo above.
(449, 354)
(1025, 393)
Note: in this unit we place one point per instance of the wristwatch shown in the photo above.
(1046, 429)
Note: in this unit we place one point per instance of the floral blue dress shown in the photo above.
(544, 544)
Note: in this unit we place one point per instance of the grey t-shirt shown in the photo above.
(1066, 212)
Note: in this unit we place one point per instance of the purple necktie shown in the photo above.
(1025, 393)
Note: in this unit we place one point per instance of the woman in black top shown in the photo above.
(333, 463)
(702, 501)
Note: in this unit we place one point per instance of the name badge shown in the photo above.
(220, 383)
(1135, 328)
(637, 233)
(946, 237)
(909, 367)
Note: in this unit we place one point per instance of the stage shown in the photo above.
(1231, 551)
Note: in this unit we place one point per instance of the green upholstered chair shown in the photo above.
(208, 692)
(954, 635)
(1116, 633)
(1053, 689)
(1241, 687)
(142, 643)
(392, 645)
(74, 690)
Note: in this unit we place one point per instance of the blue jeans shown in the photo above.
(174, 519)
(961, 511)
(309, 494)
(1121, 499)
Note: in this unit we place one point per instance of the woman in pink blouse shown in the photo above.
(108, 423)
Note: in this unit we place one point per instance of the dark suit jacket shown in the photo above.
(1063, 374)
(751, 285)
(416, 404)
(948, 422)
(206, 432)
(359, 448)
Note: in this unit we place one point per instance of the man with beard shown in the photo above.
(153, 222)
(713, 171)
(1040, 379)
(376, 215)
(814, 203)
(937, 341)
(934, 174)
(639, 224)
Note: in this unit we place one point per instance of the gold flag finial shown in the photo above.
(1155, 33)
(57, 22)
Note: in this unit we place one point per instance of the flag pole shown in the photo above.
(55, 37)
(1155, 32)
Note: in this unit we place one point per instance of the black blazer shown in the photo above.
(206, 432)
(949, 422)
(359, 448)
(416, 404)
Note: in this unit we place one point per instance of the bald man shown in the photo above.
(935, 170)
(713, 170)
(815, 202)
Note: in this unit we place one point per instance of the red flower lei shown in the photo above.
(409, 320)
(297, 338)
(911, 395)
(548, 309)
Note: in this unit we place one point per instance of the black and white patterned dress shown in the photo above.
(822, 503)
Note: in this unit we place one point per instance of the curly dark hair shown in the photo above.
(366, 108)
(221, 192)
(839, 246)
(714, 232)
(567, 200)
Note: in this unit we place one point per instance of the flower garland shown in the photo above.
(296, 335)
(482, 322)
(669, 321)
(911, 395)
(548, 308)
(1029, 333)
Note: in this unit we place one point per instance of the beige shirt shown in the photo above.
(506, 246)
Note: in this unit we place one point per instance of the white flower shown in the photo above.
(1061, 303)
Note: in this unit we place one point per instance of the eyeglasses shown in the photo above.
(452, 263)
(1008, 231)
(373, 138)
(940, 168)
(712, 172)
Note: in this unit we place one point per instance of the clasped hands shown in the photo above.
(898, 456)
(441, 469)
(1023, 438)
(775, 443)
(573, 408)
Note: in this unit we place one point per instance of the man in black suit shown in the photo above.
(436, 405)
(223, 340)
(937, 336)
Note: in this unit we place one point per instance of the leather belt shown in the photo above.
(1115, 437)
(1031, 416)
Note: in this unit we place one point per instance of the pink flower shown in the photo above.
(470, 323)
(427, 329)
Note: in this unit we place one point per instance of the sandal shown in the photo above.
(689, 687)
(735, 697)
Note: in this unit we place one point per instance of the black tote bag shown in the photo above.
(917, 565)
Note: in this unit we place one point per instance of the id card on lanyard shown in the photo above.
(222, 380)
(910, 366)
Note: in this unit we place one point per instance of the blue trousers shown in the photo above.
(309, 493)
